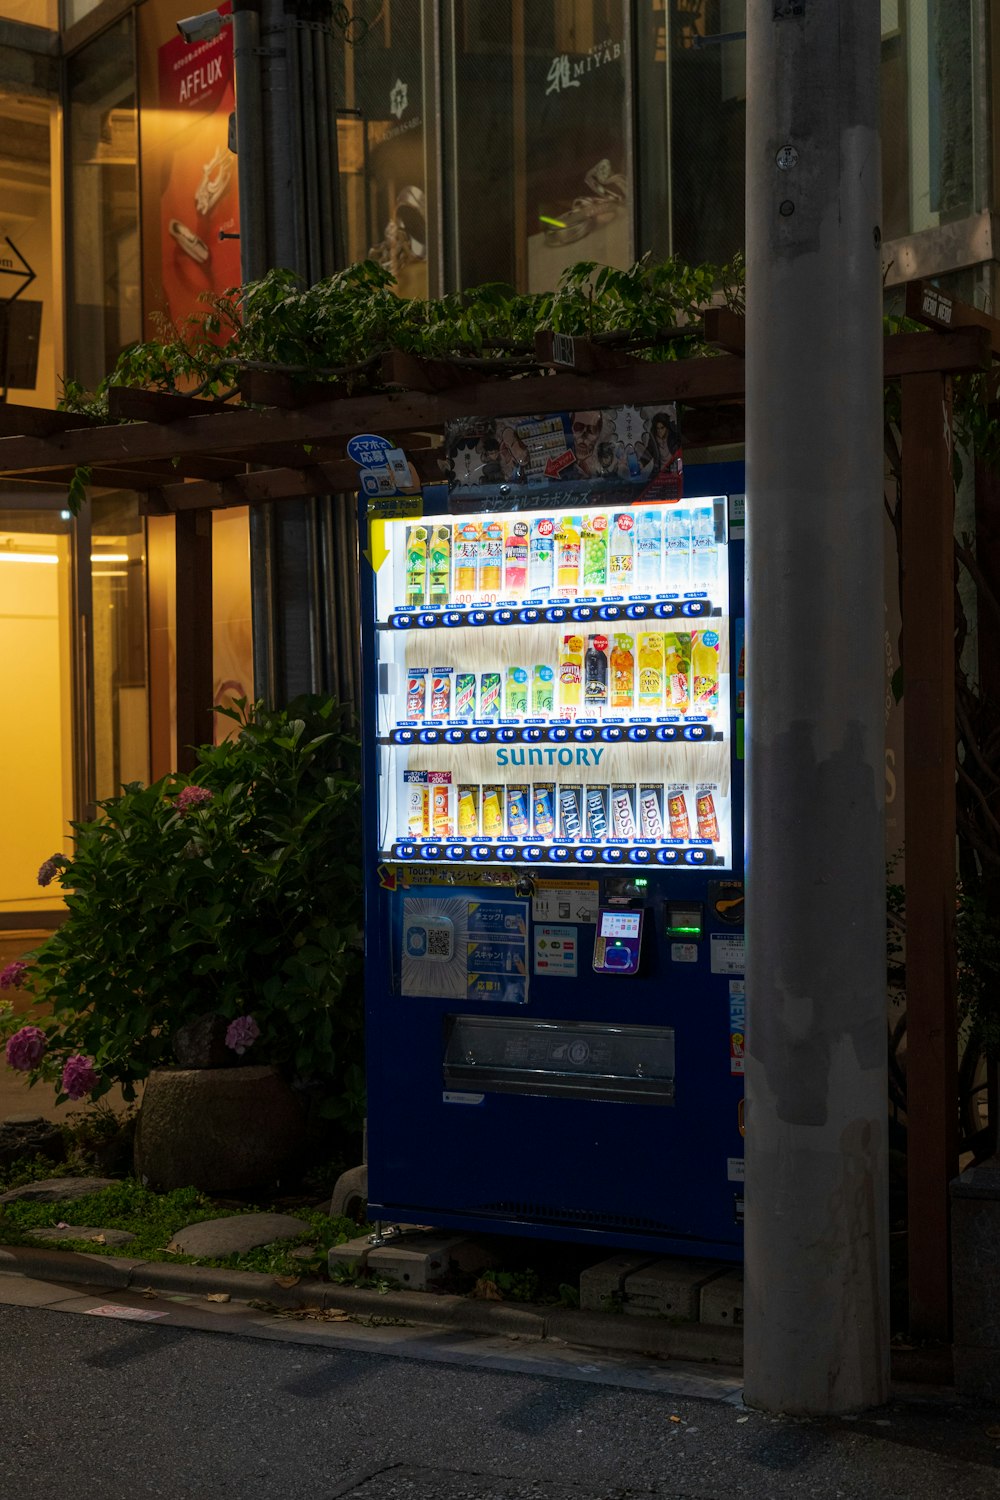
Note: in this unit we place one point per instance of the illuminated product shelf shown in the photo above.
(550, 612)
(554, 734)
(453, 851)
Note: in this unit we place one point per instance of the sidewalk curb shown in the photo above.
(613, 1332)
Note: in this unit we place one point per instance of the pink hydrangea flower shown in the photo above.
(193, 797)
(50, 869)
(79, 1076)
(241, 1034)
(12, 977)
(26, 1048)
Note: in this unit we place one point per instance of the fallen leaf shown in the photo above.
(287, 1280)
(675, 1419)
(99, 1239)
(487, 1290)
(62, 1224)
(217, 1297)
(993, 1432)
(742, 1419)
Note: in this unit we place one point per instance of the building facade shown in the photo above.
(477, 142)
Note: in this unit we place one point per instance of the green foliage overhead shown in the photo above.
(236, 892)
(339, 329)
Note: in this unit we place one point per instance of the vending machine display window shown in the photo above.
(553, 683)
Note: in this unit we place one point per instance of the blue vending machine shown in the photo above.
(554, 848)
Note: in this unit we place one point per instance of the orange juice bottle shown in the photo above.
(570, 674)
(621, 697)
(651, 670)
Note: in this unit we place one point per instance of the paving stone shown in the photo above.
(601, 1286)
(57, 1189)
(415, 1259)
(669, 1288)
(115, 1237)
(722, 1300)
(213, 1238)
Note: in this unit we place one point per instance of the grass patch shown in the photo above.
(154, 1219)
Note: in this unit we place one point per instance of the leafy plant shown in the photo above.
(234, 893)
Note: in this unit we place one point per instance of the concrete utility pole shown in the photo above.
(816, 1336)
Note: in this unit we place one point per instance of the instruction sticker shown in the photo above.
(736, 1169)
(554, 901)
(556, 951)
(737, 1025)
(684, 953)
(497, 951)
(728, 953)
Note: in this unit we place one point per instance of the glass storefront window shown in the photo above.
(31, 12)
(537, 139)
(118, 613)
(36, 684)
(105, 311)
(31, 348)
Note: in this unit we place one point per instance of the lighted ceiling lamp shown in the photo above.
(109, 557)
(28, 557)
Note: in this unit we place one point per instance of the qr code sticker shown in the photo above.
(439, 942)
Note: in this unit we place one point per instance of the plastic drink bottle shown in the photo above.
(416, 566)
(542, 684)
(490, 557)
(439, 565)
(595, 554)
(705, 672)
(515, 693)
(541, 556)
(677, 550)
(515, 560)
(568, 556)
(622, 695)
(466, 558)
(570, 674)
(595, 673)
(649, 551)
(677, 670)
(620, 554)
(704, 552)
(651, 670)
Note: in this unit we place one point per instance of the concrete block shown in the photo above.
(722, 1300)
(415, 1259)
(602, 1286)
(669, 1288)
(975, 1279)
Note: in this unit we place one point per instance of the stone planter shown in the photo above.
(223, 1130)
(975, 1279)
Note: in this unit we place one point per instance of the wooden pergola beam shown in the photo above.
(243, 433)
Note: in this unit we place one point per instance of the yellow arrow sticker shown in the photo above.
(376, 551)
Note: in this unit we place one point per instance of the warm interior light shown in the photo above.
(109, 557)
(109, 572)
(28, 557)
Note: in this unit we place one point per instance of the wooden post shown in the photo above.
(195, 675)
(929, 822)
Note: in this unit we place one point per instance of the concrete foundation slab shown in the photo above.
(602, 1286)
(669, 1288)
(415, 1260)
(722, 1300)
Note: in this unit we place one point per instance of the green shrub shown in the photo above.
(234, 892)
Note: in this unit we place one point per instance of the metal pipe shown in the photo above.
(816, 1316)
(297, 105)
(326, 153)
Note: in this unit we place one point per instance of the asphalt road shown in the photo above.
(121, 1411)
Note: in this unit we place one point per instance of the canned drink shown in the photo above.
(708, 823)
(417, 804)
(543, 823)
(416, 692)
(518, 812)
(442, 826)
(465, 695)
(677, 812)
(570, 812)
(651, 812)
(492, 813)
(597, 812)
(623, 812)
(468, 812)
(441, 680)
(489, 695)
